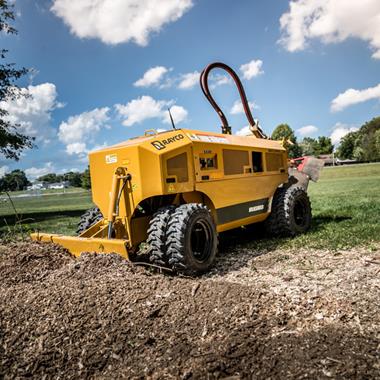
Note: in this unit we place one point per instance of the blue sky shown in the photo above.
(312, 64)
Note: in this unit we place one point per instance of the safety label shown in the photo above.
(111, 158)
(208, 138)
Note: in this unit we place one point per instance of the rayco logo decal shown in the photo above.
(159, 145)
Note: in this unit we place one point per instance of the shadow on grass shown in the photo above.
(320, 222)
(35, 217)
(237, 247)
(256, 232)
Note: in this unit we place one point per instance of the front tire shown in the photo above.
(291, 212)
(191, 239)
(156, 240)
(90, 217)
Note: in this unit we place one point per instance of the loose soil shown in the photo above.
(279, 314)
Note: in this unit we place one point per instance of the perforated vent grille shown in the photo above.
(234, 161)
(177, 166)
(274, 162)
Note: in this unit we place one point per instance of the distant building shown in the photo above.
(37, 186)
(58, 185)
(328, 159)
(346, 162)
(45, 185)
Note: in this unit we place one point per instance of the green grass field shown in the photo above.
(346, 208)
(346, 211)
(51, 213)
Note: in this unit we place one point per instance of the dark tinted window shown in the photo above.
(234, 161)
(275, 162)
(257, 162)
(177, 166)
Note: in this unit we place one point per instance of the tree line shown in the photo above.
(12, 140)
(362, 145)
(306, 147)
(16, 180)
(74, 179)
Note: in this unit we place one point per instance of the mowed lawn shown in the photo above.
(345, 202)
(57, 213)
(346, 208)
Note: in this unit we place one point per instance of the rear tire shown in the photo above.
(291, 212)
(157, 235)
(90, 217)
(191, 239)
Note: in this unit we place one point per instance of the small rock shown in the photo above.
(319, 316)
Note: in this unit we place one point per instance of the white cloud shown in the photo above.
(3, 170)
(352, 96)
(219, 80)
(118, 21)
(98, 147)
(245, 131)
(341, 130)
(33, 112)
(179, 114)
(151, 77)
(76, 148)
(237, 107)
(252, 69)
(33, 173)
(188, 80)
(307, 130)
(138, 110)
(79, 129)
(331, 21)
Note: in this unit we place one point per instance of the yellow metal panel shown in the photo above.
(226, 192)
(99, 228)
(178, 187)
(142, 158)
(102, 170)
(78, 245)
(150, 182)
(145, 159)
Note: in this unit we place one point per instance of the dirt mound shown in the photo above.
(30, 262)
(102, 317)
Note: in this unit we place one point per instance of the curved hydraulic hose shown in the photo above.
(226, 129)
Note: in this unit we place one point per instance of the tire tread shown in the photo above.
(176, 235)
(157, 235)
(279, 222)
(90, 217)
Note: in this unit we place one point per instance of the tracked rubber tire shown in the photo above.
(90, 217)
(183, 235)
(291, 212)
(157, 235)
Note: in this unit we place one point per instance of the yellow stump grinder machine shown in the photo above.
(176, 190)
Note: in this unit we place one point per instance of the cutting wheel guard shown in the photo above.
(226, 129)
